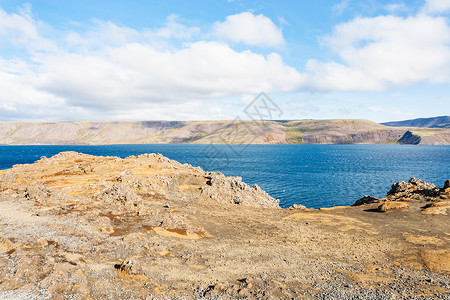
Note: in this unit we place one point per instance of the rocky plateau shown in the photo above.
(76, 226)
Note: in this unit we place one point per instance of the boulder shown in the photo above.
(411, 186)
(447, 184)
(297, 206)
(367, 199)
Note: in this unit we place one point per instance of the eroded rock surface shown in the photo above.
(425, 195)
(80, 226)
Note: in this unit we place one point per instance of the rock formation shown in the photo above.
(409, 139)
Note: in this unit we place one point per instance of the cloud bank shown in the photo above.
(113, 72)
(385, 51)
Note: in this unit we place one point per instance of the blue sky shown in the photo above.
(206, 60)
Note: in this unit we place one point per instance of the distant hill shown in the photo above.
(436, 122)
(218, 132)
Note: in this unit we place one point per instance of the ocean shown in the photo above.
(312, 175)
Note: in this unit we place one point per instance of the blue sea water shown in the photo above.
(312, 175)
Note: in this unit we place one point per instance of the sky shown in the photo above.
(111, 60)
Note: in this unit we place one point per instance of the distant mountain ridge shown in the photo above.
(218, 132)
(435, 122)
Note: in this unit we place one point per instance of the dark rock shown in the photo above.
(367, 199)
(409, 139)
(447, 184)
(129, 267)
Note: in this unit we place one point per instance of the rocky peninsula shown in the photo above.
(88, 227)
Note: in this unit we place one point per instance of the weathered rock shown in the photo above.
(437, 208)
(447, 184)
(412, 186)
(422, 185)
(119, 193)
(233, 191)
(409, 139)
(297, 206)
(129, 267)
(392, 205)
(367, 199)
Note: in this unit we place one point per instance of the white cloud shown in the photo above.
(436, 6)
(340, 7)
(250, 29)
(175, 29)
(200, 70)
(22, 30)
(113, 72)
(396, 7)
(377, 53)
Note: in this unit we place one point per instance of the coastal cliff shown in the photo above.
(76, 225)
(216, 132)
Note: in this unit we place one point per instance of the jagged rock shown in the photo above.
(422, 185)
(119, 193)
(232, 190)
(40, 193)
(447, 184)
(367, 199)
(411, 186)
(409, 139)
(297, 206)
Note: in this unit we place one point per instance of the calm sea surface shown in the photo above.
(313, 175)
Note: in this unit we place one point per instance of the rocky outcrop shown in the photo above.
(413, 186)
(367, 199)
(409, 139)
(232, 190)
(414, 190)
(297, 207)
